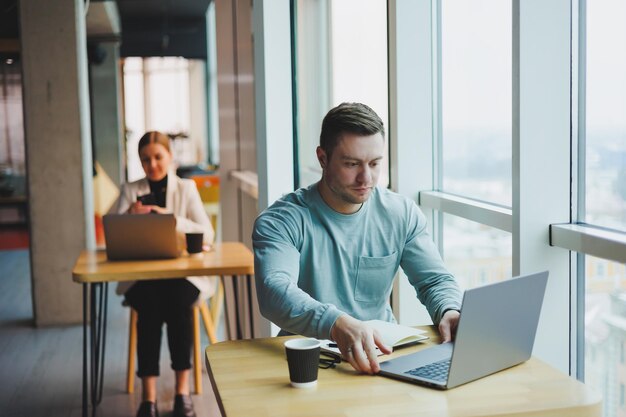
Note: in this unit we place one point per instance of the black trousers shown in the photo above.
(161, 301)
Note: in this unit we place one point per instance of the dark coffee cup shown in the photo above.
(194, 242)
(303, 357)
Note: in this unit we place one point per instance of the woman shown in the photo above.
(164, 301)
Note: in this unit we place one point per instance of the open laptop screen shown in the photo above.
(140, 236)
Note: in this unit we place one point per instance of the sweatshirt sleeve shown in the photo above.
(276, 242)
(434, 285)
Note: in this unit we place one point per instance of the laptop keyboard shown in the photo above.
(437, 371)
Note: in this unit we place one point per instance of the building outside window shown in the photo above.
(476, 130)
(603, 166)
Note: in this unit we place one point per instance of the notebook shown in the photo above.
(394, 335)
(496, 331)
(140, 236)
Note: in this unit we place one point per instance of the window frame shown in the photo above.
(415, 124)
(415, 89)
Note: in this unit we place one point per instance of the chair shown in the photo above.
(209, 190)
(209, 317)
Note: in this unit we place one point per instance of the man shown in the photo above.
(326, 255)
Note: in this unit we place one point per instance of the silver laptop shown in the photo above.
(140, 236)
(496, 331)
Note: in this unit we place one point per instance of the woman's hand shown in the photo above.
(157, 209)
(138, 208)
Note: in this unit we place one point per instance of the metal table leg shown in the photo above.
(239, 334)
(239, 318)
(96, 315)
(250, 312)
(85, 319)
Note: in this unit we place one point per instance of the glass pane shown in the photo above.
(213, 111)
(168, 83)
(476, 254)
(476, 98)
(605, 332)
(134, 118)
(12, 153)
(341, 55)
(605, 185)
(157, 94)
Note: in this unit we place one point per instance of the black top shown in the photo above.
(158, 190)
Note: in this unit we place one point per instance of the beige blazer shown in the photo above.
(183, 200)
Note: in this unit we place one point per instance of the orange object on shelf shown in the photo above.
(99, 230)
(209, 187)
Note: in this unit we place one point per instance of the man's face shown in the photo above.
(351, 172)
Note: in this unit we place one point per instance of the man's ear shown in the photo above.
(321, 157)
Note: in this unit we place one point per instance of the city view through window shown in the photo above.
(605, 199)
(476, 115)
(476, 140)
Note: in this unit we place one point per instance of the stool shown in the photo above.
(208, 317)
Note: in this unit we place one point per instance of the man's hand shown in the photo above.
(357, 343)
(447, 325)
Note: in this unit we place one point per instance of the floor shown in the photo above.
(41, 368)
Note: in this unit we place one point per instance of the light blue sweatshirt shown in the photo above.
(313, 264)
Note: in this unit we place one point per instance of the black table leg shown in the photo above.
(85, 319)
(250, 312)
(239, 333)
(96, 315)
(239, 318)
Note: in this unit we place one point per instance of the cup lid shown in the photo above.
(302, 343)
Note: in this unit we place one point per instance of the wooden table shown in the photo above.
(250, 378)
(94, 271)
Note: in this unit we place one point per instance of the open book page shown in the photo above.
(394, 335)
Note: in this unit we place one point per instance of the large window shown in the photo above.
(341, 56)
(603, 157)
(476, 254)
(12, 156)
(522, 119)
(158, 94)
(476, 99)
(605, 118)
(605, 331)
(475, 117)
(12, 150)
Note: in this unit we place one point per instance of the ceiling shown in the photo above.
(148, 27)
(8, 19)
(164, 27)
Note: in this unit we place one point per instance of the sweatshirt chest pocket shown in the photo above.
(374, 277)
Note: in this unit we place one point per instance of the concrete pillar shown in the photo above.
(58, 149)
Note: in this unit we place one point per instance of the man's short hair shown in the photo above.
(355, 118)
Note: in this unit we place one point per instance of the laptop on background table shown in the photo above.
(140, 236)
(496, 331)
